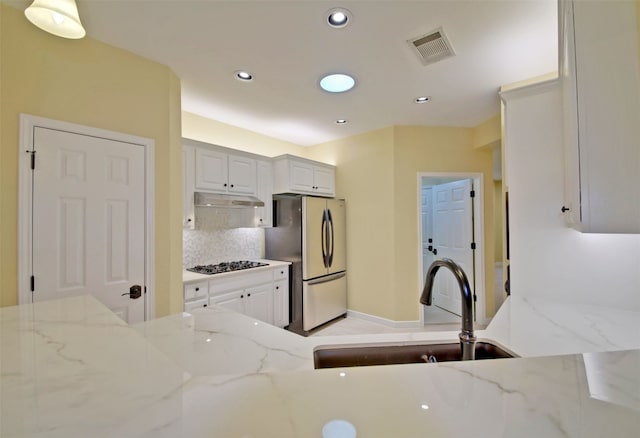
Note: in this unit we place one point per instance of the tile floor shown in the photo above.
(436, 320)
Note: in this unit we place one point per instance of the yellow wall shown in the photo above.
(433, 149)
(364, 177)
(377, 174)
(211, 131)
(487, 133)
(90, 83)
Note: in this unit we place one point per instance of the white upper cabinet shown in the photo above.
(600, 79)
(265, 193)
(211, 170)
(298, 175)
(188, 213)
(221, 172)
(242, 175)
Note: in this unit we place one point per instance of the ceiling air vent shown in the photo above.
(432, 47)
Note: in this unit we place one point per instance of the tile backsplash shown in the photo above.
(214, 239)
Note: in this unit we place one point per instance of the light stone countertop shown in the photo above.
(71, 368)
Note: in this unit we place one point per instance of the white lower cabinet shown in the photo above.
(231, 301)
(259, 302)
(281, 303)
(263, 295)
(256, 302)
(192, 305)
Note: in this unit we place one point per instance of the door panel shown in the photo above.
(323, 301)
(324, 180)
(301, 176)
(242, 175)
(88, 219)
(338, 215)
(231, 301)
(312, 237)
(453, 235)
(211, 170)
(259, 303)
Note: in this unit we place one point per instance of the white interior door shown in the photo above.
(427, 229)
(453, 235)
(89, 220)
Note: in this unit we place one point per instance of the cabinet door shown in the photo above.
(607, 84)
(265, 193)
(324, 180)
(242, 175)
(188, 180)
(567, 70)
(281, 303)
(211, 170)
(232, 301)
(301, 176)
(259, 302)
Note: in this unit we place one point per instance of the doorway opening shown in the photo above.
(451, 225)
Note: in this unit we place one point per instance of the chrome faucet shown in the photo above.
(467, 338)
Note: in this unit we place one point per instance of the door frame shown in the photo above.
(478, 231)
(28, 123)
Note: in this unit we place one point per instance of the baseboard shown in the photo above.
(383, 321)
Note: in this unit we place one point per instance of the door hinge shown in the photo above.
(472, 193)
(33, 283)
(475, 297)
(473, 245)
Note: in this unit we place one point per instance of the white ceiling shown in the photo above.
(287, 46)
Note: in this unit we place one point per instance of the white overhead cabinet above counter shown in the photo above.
(221, 172)
(600, 80)
(299, 175)
(215, 169)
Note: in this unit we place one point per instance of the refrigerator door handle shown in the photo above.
(331, 239)
(327, 278)
(324, 239)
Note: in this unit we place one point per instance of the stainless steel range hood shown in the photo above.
(203, 199)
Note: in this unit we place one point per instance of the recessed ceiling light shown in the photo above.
(338, 17)
(422, 99)
(341, 122)
(243, 75)
(337, 83)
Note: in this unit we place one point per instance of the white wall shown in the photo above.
(548, 259)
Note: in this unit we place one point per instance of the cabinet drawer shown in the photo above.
(188, 307)
(281, 273)
(196, 291)
(242, 281)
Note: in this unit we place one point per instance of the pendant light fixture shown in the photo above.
(58, 17)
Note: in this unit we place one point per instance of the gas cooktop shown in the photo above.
(225, 267)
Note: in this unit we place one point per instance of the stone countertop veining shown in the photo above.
(71, 368)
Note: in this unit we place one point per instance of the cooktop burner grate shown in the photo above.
(226, 267)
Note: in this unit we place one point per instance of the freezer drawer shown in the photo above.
(323, 299)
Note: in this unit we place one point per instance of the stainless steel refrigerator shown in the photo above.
(310, 233)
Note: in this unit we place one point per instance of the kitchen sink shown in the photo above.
(393, 354)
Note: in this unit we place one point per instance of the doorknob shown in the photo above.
(135, 292)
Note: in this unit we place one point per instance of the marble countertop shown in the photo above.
(71, 368)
